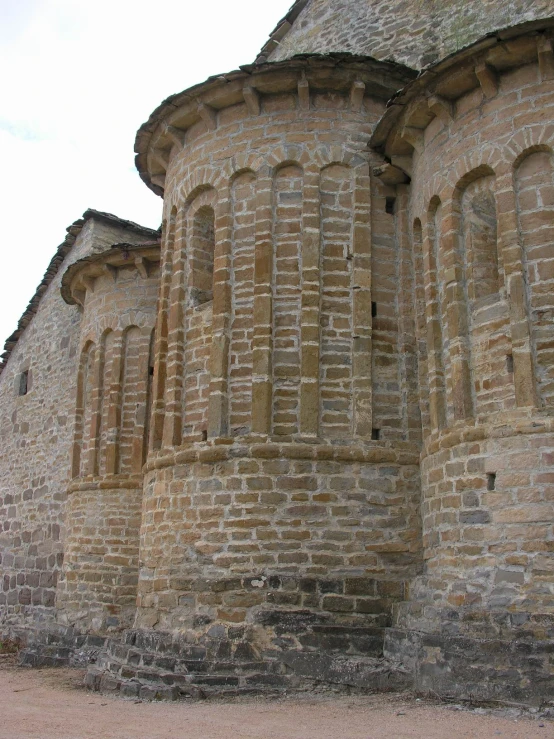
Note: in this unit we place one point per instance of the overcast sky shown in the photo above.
(78, 79)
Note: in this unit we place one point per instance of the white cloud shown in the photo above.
(78, 80)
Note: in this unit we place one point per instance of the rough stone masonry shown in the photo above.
(305, 433)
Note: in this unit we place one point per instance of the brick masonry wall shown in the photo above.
(97, 585)
(327, 517)
(416, 33)
(308, 466)
(36, 433)
(209, 168)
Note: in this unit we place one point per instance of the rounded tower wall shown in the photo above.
(482, 219)
(282, 477)
(117, 291)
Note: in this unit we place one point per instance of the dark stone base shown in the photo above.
(296, 651)
(518, 669)
(229, 661)
(59, 646)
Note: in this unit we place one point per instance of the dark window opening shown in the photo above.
(204, 435)
(375, 434)
(151, 371)
(510, 363)
(24, 383)
(373, 309)
(389, 205)
(491, 481)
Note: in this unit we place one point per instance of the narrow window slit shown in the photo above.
(24, 383)
(491, 481)
(373, 309)
(510, 363)
(204, 435)
(389, 205)
(375, 434)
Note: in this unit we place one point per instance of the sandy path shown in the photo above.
(49, 704)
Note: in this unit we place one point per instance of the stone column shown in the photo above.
(310, 312)
(456, 315)
(407, 321)
(172, 422)
(138, 441)
(76, 449)
(218, 406)
(262, 383)
(361, 311)
(437, 406)
(161, 337)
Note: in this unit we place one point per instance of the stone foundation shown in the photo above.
(515, 668)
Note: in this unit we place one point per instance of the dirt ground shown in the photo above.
(51, 704)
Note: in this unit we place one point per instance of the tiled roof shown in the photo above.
(281, 30)
(55, 263)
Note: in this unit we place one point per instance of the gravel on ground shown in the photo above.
(52, 704)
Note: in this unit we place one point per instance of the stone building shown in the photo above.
(306, 433)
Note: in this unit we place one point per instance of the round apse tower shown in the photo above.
(476, 135)
(281, 486)
(117, 292)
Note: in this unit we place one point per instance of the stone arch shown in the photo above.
(525, 141)
(197, 179)
(285, 154)
(325, 156)
(243, 162)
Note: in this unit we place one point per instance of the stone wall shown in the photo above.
(36, 431)
(282, 481)
(480, 218)
(416, 33)
(222, 515)
(118, 291)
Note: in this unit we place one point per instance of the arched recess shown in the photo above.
(534, 185)
(83, 410)
(485, 310)
(243, 210)
(199, 270)
(287, 293)
(336, 319)
(202, 252)
(434, 291)
(109, 348)
(477, 203)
